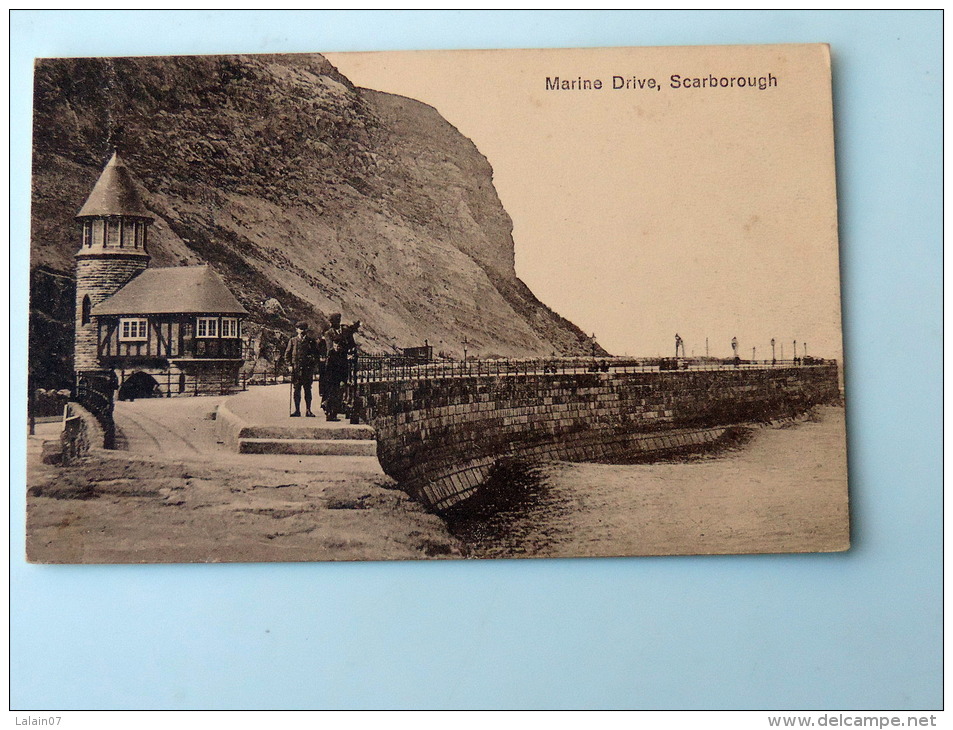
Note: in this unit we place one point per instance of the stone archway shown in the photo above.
(139, 385)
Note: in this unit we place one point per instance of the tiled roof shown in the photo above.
(114, 193)
(174, 290)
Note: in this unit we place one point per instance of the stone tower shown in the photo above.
(115, 224)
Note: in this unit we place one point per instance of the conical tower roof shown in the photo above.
(114, 193)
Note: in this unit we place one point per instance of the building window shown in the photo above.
(229, 327)
(207, 327)
(133, 329)
(87, 307)
(112, 233)
(87, 233)
(99, 227)
(130, 237)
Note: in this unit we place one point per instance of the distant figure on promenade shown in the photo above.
(679, 345)
(301, 356)
(337, 346)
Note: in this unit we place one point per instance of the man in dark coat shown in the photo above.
(338, 344)
(301, 356)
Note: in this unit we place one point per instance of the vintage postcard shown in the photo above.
(461, 304)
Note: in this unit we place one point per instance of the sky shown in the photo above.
(647, 211)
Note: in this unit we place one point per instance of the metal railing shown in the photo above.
(382, 368)
(275, 373)
(95, 392)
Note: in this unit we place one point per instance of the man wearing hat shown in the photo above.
(336, 347)
(301, 356)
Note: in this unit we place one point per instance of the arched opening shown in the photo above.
(87, 308)
(139, 385)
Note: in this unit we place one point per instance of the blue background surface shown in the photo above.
(859, 630)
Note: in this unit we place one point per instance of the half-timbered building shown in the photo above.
(162, 331)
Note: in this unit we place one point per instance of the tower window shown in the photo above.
(133, 329)
(112, 233)
(207, 327)
(87, 233)
(86, 308)
(99, 227)
(129, 234)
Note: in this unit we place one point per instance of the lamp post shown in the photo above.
(752, 353)
(773, 358)
(465, 343)
(734, 348)
(795, 352)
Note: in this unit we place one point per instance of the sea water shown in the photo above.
(781, 489)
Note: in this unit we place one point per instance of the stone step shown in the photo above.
(305, 431)
(313, 447)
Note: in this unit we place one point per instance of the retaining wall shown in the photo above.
(440, 438)
(81, 434)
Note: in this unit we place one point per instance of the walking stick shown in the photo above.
(291, 388)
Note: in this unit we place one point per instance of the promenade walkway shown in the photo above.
(187, 429)
(270, 405)
(258, 422)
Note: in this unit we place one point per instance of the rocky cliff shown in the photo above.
(308, 195)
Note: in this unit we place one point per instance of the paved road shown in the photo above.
(180, 426)
(269, 405)
(183, 429)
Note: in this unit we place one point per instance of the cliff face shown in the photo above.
(306, 194)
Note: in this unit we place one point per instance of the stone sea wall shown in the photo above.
(440, 438)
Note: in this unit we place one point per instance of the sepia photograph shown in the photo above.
(435, 305)
(476, 360)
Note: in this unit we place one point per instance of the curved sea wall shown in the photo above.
(441, 437)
